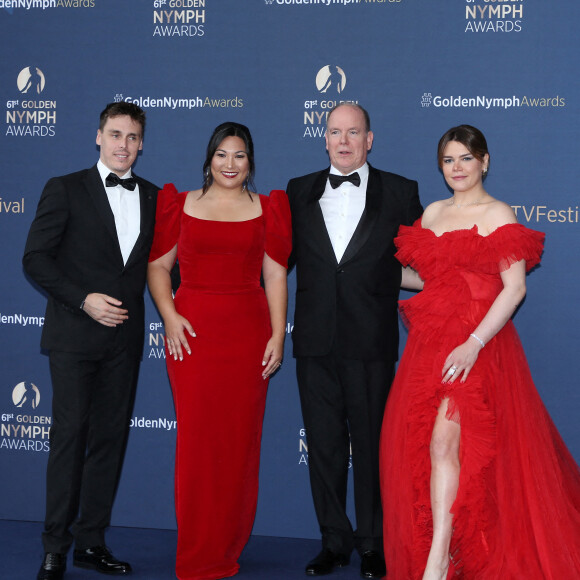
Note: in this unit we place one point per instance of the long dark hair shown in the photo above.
(221, 132)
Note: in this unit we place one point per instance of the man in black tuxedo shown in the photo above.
(345, 335)
(88, 248)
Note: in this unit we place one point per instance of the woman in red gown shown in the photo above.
(224, 338)
(476, 482)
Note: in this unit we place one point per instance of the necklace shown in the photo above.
(460, 205)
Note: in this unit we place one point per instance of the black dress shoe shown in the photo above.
(372, 565)
(325, 563)
(53, 567)
(100, 559)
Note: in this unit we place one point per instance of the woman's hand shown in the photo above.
(460, 360)
(176, 328)
(272, 359)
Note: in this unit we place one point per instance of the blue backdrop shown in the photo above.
(508, 67)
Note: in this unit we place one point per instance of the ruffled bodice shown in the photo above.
(462, 274)
(218, 256)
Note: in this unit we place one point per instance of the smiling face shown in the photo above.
(461, 169)
(120, 140)
(230, 165)
(347, 139)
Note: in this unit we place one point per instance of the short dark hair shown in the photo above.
(122, 108)
(221, 132)
(354, 106)
(467, 135)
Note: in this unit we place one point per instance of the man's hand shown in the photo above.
(105, 309)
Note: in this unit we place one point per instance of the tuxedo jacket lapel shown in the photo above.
(317, 226)
(147, 216)
(369, 216)
(98, 194)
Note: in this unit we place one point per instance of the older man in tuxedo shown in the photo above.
(87, 249)
(345, 334)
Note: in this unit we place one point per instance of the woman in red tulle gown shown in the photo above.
(476, 481)
(224, 338)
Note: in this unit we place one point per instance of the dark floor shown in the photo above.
(152, 553)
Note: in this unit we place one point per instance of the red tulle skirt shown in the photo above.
(517, 511)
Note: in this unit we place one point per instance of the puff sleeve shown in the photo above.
(278, 227)
(167, 220)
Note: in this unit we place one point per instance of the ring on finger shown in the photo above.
(452, 370)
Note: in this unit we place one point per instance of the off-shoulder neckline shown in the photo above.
(474, 230)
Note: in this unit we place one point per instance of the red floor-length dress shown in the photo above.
(219, 391)
(517, 511)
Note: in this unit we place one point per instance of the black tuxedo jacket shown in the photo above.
(354, 301)
(72, 250)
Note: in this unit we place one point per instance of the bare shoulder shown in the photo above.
(497, 214)
(433, 211)
(192, 198)
(194, 195)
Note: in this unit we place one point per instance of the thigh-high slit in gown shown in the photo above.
(517, 511)
(218, 390)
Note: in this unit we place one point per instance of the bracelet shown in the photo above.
(478, 339)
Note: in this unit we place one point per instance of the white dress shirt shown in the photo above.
(126, 209)
(342, 209)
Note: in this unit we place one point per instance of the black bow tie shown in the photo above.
(336, 180)
(113, 179)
